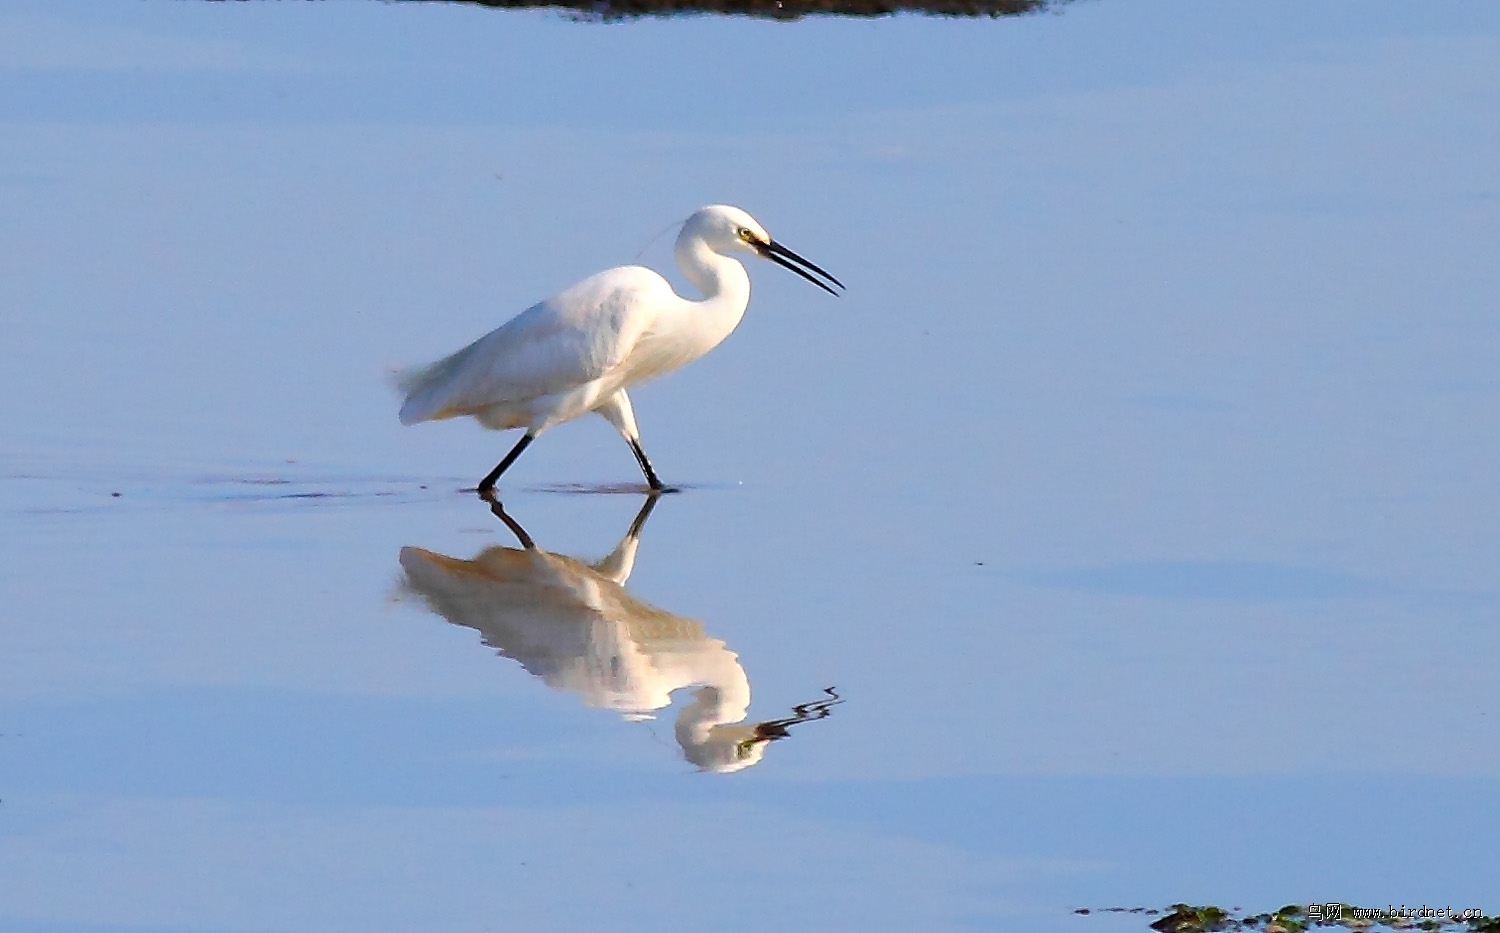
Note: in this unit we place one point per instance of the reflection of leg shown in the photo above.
(640, 457)
(621, 560)
(488, 483)
(641, 516)
(512, 524)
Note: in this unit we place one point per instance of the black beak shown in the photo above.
(787, 259)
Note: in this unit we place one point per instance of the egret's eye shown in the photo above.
(746, 235)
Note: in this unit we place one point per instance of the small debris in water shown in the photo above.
(1296, 918)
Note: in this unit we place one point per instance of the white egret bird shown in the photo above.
(578, 351)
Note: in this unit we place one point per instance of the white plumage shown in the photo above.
(578, 351)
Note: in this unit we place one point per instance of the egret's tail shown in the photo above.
(406, 379)
(423, 388)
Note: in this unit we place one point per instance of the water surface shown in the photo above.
(1137, 500)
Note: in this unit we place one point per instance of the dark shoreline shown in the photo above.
(768, 9)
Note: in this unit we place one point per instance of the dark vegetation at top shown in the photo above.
(768, 9)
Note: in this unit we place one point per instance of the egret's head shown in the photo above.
(726, 229)
(729, 230)
(723, 747)
(726, 749)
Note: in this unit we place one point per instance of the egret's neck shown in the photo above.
(712, 706)
(723, 281)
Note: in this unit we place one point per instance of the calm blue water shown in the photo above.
(1138, 500)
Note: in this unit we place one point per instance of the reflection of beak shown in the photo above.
(787, 259)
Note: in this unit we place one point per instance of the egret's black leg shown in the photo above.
(640, 457)
(488, 483)
(512, 524)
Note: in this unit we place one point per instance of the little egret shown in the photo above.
(578, 351)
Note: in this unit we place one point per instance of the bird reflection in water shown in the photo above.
(573, 625)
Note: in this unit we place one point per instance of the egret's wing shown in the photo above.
(569, 340)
